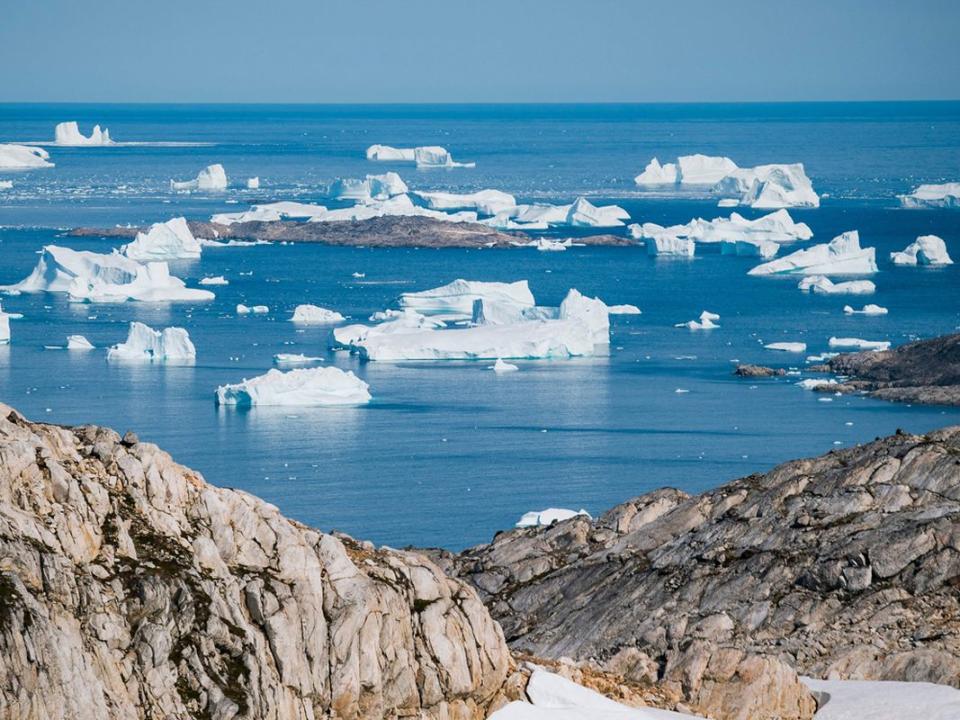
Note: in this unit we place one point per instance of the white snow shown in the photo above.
(253, 183)
(925, 250)
(301, 387)
(252, 309)
(212, 177)
(294, 359)
(68, 134)
(215, 280)
(456, 299)
(841, 256)
(946, 195)
(541, 518)
(667, 244)
(21, 157)
(315, 315)
(795, 347)
(171, 240)
(78, 342)
(706, 322)
(94, 277)
(623, 310)
(146, 345)
(503, 367)
(869, 309)
(385, 153)
(822, 285)
(858, 343)
(485, 202)
(884, 700)
(584, 214)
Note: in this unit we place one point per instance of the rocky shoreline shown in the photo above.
(381, 232)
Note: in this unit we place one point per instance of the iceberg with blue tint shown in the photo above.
(925, 250)
(841, 256)
(944, 195)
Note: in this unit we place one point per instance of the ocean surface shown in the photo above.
(449, 453)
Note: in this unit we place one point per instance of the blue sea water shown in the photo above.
(449, 453)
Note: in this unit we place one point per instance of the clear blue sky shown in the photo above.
(483, 51)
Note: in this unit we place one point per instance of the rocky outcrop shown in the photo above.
(130, 588)
(845, 566)
(758, 371)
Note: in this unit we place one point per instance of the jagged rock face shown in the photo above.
(845, 566)
(130, 588)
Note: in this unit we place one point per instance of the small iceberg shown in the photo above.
(547, 245)
(841, 256)
(670, 245)
(144, 344)
(255, 214)
(5, 326)
(373, 187)
(869, 309)
(292, 210)
(21, 157)
(171, 240)
(253, 183)
(584, 214)
(858, 344)
(794, 347)
(78, 342)
(485, 202)
(822, 285)
(68, 134)
(946, 195)
(301, 387)
(295, 359)
(385, 153)
(6, 184)
(544, 518)
(503, 367)
(707, 321)
(252, 309)
(925, 250)
(315, 315)
(211, 178)
(623, 310)
(215, 280)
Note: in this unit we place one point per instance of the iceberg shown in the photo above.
(212, 177)
(252, 215)
(926, 250)
(776, 227)
(315, 315)
(765, 249)
(858, 344)
(547, 245)
(485, 202)
(657, 174)
(706, 322)
(434, 156)
(295, 359)
(290, 209)
(667, 244)
(623, 310)
(542, 214)
(21, 157)
(583, 214)
(215, 280)
(171, 240)
(841, 256)
(823, 285)
(5, 327)
(456, 299)
(302, 387)
(253, 183)
(144, 344)
(503, 367)
(94, 277)
(385, 153)
(769, 187)
(373, 187)
(68, 134)
(946, 195)
(687, 170)
(252, 309)
(78, 342)
(542, 518)
(869, 309)
(6, 184)
(795, 347)
(400, 205)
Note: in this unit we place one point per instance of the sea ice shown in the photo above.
(456, 299)
(822, 285)
(503, 367)
(78, 342)
(386, 153)
(485, 202)
(171, 240)
(252, 309)
(68, 134)
(869, 309)
(541, 518)
(302, 387)
(215, 280)
(795, 347)
(146, 344)
(926, 250)
(21, 157)
(315, 315)
(858, 344)
(841, 256)
(212, 177)
(946, 195)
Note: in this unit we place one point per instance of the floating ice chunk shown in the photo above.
(504, 221)
(215, 280)
(294, 359)
(816, 383)
(548, 214)
(822, 357)
(21, 157)
(591, 312)
(547, 245)
(373, 187)
(457, 298)
(6, 184)
(400, 205)
(706, 322)
(623, 310)
(78, 342)
(493, 312)
(926, 250)
(823, 285)
(542, 518)
(145, 344)
(485, 202)
(703, 169)
(385, 153)
(94, 277)
(858, 343)
(435, 156)
(583, 214)
(869, 309)
(841, 256)
(770, 186)
(946, 195)
(796, 347)
(657, 174)
(315, 315)
(252, 309)
(666, 244)
(171, 240)
(503, 367)
(253, 183)
(303, 387)
(765, 249)
(776, 227)
(5, 327)
(727, 202)
(212, 177)
(68, 134)
(252, 215)
(290, 209)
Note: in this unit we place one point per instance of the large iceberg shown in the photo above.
(373, 187)
(315, 315)
(925, 250)
(687, 170)
(170, 240)
(946, 195)
(584, 214)
(542, 518)
(212, 177)
(822, 285)
(841, 256)
(485, 202)
(21, 157)
(291, 209)
(738, 235)
(385, 153)
(302, 387)
(769, 187)
(68, 134)
(144, 344)
(95, 277)
(434, 156)
(456, 299)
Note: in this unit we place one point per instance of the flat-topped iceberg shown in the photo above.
(485, 202)
(295, 359)
(252, 215)
(925, 250)
(868, 309)
(822, 285)
(211, 178)
(315, 315)
(215, 280)
(78, 342)
(435, 156)
(385, 153)
(21, 157)
(372, 187)
(582, 213)
(301, 387)
(670, 245)
(945, 195)
(68, 134)
(841, 256)
(795, 347)
(95, 277)
(858, 343)
(542, 518)
(170, 240)
(456, 299)
(144, 344)
(252, 309)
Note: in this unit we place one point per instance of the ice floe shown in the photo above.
(215, 280)
(211, 178)
(623, 310)
(170, 240)
(945, 195)
(925, 250)
(503, 367)
(295, 359)
(68, 134)
(869, 309)
(301, 387)
(858, 343)
(95, 277)
(293, 210)
(315, 315)
(78, 342)
(707, 321)
(841, 256)
(21, 157)
(541, 518)
(794, 347)
(252, 309)
(144, 344)
(455, 299)
(822, 285)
